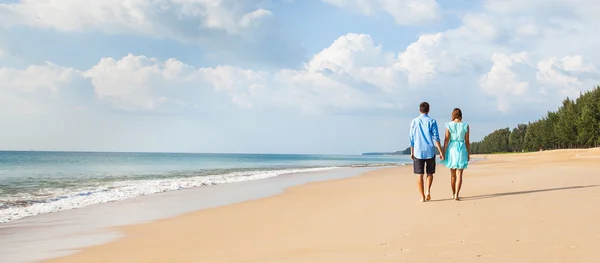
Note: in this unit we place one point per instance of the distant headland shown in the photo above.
(404, 152)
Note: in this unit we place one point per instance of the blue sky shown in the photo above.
(314, 76)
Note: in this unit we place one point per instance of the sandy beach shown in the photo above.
(533, 207)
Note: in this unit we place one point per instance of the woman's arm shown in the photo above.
(446, 140)
(468, 142)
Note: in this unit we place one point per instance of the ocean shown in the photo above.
(33, 183)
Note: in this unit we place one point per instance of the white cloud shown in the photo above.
(351, 74)
(37, 89)
(241, 85)
(503, 81)
(254, 17)
(137, 82)
(177, 19)
(569, 74)
(332, 80)
(500, 60)
(4, 53)
(404, 12)
(424, 59)
(356, 56)
(521, 53)
(226, 31)
(515, 80)
(505, 62)
(556, 8)
(348, 53)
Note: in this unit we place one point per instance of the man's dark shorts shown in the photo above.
(424, 166)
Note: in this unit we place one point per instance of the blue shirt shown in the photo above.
(423, 135)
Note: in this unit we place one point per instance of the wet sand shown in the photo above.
(534, 207)
(52, 235)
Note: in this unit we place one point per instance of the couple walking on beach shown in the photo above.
(424, 138)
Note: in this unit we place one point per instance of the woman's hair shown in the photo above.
(457, 114)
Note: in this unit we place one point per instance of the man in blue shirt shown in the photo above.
(423, 136)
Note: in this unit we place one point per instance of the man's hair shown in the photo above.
(424, 107)
(457, 114)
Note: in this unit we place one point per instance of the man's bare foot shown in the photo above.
(427, 196)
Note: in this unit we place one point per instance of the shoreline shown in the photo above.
(116, 191)
(532, 208)
(30, 240)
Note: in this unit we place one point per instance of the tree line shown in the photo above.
(576, 124)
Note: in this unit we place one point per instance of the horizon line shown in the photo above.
(167, 152)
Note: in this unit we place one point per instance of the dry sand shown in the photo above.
(534, 207)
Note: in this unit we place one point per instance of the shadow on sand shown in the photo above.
(525, 192)
(475, 197)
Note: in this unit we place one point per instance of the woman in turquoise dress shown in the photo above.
(457, 149)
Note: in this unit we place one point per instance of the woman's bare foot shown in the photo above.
(456, 198)
(427, 196)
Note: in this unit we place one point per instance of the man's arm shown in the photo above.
(439, 147)
(436, 137)
(411, 139)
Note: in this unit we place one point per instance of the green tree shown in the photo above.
(516, 139)
(588, 131)
(575, 124)
(548, 138)
(566, 128)
(532, 137)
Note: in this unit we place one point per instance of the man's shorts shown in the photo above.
(424, 166)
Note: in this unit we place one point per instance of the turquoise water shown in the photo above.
(33, 183)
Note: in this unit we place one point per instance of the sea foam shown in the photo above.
(65, 199)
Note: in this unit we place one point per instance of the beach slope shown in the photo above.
(533, 207)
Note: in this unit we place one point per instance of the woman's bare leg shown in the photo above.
(453, 181)
(458, 184)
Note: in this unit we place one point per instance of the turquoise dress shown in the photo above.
(456, 156)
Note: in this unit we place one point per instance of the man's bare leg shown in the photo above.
(458, 184)
(420, 184)
(453, 181)
(429, 183)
